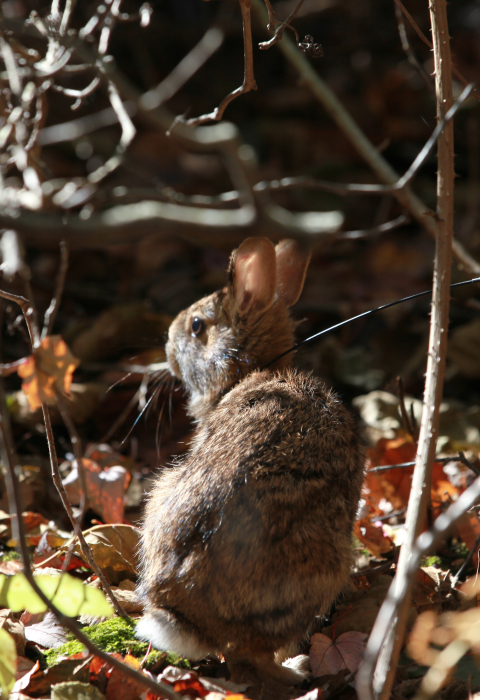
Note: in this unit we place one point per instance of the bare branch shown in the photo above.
(408, 49)
(51, 312)
(248, 77)
(288, 183)
(128, 133)
(375, 230)
(422, 36)
(281, 28)
(183, 71)
(79, 94)
(377, 681)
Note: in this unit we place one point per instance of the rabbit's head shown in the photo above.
(220, 339)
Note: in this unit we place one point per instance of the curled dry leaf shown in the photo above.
(38, 683)
(114, 549)
(329, 656)
(48, 370)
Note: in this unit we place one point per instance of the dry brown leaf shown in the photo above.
(48, 370)
(114, 549)
(329, 656)
(373, 537)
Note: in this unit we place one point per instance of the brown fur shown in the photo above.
(249, 537)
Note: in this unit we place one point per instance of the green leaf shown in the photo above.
(70, 595)
(8, 663)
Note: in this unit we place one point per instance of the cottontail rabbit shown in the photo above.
(249, 537)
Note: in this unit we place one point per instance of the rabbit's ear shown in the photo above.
(252, 277)
(292, 263)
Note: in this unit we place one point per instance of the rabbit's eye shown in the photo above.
(198, 326)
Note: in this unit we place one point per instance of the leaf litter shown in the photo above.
(335, 652)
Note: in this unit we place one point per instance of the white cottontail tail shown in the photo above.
(250, 536)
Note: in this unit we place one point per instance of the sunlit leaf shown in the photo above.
(48, 370)
(69, 594)
(8, 663)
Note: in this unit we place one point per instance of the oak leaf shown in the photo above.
(47, 371)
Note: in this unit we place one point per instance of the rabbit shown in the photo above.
(249, 537)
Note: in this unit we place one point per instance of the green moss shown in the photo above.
(462, 550)
(67, 649)
(113, 635)
(432, 561)
(10, 556)
(163, 658)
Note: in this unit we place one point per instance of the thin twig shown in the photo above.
(248, 75)
(375, 230)
(428, 43)
(293, 182)
(467, 463)
(281, 28)
(382, 664)
(184, 70)
(84, 546)
(405, 465)
(401, 401)
(160, 689)
(51, 312)
(408, 50)
(26, 307)
(76, 441)
(467, 561)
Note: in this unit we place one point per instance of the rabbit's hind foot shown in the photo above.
(167, 634)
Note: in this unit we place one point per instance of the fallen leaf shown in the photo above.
(24, 681)
(373, 537)
(329, 656)
(123, 687)
(105, 489)
(24, 666)
(14, 628)
(48, 370)
(114, 549)
(11, 567)
(40, 682)
(8, 661)
(73, 690)
(48, 633)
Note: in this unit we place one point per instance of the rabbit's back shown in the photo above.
(250, 537)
